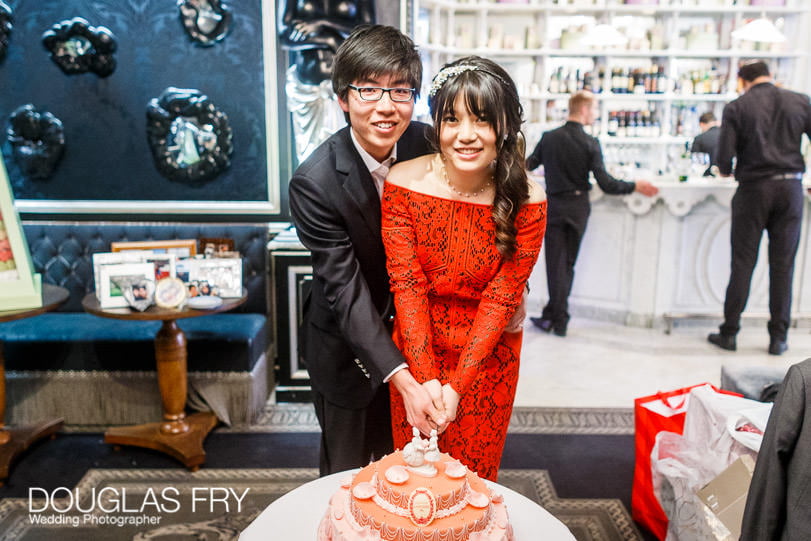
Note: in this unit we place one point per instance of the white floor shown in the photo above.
(605, 365)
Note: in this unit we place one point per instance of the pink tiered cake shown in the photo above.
(440, 500)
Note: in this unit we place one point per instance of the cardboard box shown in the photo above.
(726, 494)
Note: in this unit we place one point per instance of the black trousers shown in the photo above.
(566, 223)
(775, 206)
(351, 438)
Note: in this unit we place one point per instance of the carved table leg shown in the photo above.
(177, 435)
(14, 441)
(170, 352)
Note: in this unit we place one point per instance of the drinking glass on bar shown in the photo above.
(699, 163)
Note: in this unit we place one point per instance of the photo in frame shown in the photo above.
(216, 247)
(108, 288)
(20, 286)
(181, 248)
(215, 277)
(164, 263)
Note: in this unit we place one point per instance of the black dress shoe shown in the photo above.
(559, 330)
(544, 324)
(777, 346)
(723, 341)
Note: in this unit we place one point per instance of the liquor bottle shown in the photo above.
(587, 82)
(699, 80)
(631, 128)
(684, 164)
(554, 82)
(650, 79)
(613, 123)
(661, 81)
(715, 81)
(638, 86)
(622, 124)
(572, 81)
(599, 82)
(647, 125)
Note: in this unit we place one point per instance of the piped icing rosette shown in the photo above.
(386, 502)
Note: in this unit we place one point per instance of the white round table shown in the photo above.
(296, 515)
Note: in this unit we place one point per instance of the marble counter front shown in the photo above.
(644, 260)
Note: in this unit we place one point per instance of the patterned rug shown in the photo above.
(298, 417)
(217, 504)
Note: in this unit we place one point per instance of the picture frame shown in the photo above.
(182, 248)
(164, 263)
(20, 286)
(220, 277)
(215, 246)
(252, 186)
(109, 293)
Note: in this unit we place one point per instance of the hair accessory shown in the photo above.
(446, 73)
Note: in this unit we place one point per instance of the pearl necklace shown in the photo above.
(458, 192)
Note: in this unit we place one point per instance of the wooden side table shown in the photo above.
(13, 441)
(178, 435)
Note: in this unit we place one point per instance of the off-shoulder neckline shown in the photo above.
(432, 196)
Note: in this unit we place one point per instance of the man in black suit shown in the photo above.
(779, 499)
(568, 154)
(707, 140)
(335, 204)
(763, 129)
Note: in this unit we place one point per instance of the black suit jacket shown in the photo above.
(778, 506)
(335, 206)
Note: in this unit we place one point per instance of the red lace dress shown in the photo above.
(454, 295)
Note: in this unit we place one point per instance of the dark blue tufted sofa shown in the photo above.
(98, 371)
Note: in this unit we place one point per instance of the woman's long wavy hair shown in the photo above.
(489, 92)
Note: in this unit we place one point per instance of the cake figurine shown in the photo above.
(419, 454)
(394, 500)
(432, 452)
(414, 451)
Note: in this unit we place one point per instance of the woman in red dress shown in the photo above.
(462, 230)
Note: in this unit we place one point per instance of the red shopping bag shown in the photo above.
(663, 411)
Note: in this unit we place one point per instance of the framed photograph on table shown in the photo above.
(20, 287)
(108, 288)
(218, 277)
(165, 264)
(182, 248)
(215, 247)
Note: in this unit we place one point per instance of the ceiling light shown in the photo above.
(761, 29)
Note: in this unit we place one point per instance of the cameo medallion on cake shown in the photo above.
(421, 507)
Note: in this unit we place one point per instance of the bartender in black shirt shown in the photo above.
(707, 140)
(568, 153)
(763, 129)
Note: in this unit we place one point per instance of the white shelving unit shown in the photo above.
(539, 39)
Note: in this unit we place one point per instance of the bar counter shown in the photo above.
(649, 261)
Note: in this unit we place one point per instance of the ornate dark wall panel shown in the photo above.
(106, 153)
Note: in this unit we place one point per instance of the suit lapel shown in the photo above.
(358, 183)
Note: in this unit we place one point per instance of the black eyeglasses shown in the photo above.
(375, 93)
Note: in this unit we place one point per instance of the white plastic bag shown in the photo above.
(681, 465)
(748, 424)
